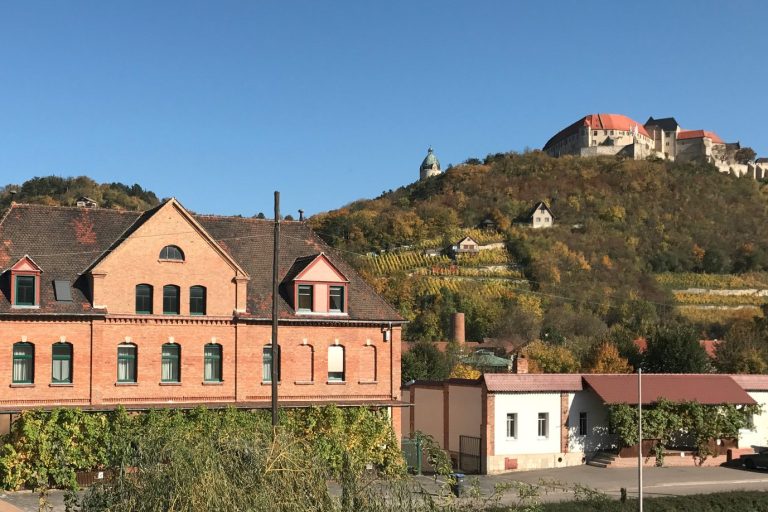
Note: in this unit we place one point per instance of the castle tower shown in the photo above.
(430, 166)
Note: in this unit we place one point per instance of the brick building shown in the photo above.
(164, 308)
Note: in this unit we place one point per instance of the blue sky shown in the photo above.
(221, 103)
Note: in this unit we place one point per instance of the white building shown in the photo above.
(505, 422)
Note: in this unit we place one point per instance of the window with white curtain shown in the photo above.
(171, 368)
(126, 362)
(23, 363)
(61, 364)
(336, 363)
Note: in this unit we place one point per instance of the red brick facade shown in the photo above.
(103, 314)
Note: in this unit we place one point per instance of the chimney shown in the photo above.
(521, 363)
(457, 323)
(301, 215)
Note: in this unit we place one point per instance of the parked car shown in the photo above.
(756, 460)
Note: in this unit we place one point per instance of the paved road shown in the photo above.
(657, 482)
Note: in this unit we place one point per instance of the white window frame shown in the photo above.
(512, 421)
(543, 419)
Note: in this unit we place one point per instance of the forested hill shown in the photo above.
(55, 190)
(666, 215)
(617, 224)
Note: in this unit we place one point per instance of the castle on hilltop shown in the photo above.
(616, 134)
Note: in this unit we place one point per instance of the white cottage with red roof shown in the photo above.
(505, 422)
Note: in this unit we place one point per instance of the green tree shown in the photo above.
(424, 362)
(548, 358)
(675, 348)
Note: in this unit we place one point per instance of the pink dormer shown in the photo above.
(25, 283)
(319, 287)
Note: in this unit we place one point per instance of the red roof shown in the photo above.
(699, 134)
(532, 382)
(598, 122)
(702, 388)
(752, 382)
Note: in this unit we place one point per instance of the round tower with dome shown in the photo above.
(430, 166)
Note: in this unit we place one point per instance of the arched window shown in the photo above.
(335, 363)
(61, 363)
(266, 368)
(172, 252)
(171, 368)
(197, 300)
(23, 363)
(212, 363)
(143, 299)
(126, 362)
(171, 299)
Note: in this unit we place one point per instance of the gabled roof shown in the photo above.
(667, 124)
(712, 389)
(532, 382)
(29, 261)
(538, 205)
(67, 241)
(699, 134)
(302, 265)
(465, 239)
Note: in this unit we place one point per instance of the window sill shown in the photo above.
(367, 382)
(170, 383)
(336, 382)
(213, 382)
(61, 385)
(170, 261)
(26, 306)
(23, 385)
(269, 383)
(126, 383)
(304, 382)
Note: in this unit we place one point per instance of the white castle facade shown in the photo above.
(616, 134)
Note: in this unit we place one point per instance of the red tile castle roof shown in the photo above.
(598, 122)
(699, 134)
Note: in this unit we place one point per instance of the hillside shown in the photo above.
(55, 190)
(593, 275)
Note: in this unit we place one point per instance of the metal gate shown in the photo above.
(412, 454)
(469, 454)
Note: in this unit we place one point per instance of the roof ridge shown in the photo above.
(239, 217)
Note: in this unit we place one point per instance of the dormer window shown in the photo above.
(25, 283)
(172, 253)
(305, 293)
(25, 291)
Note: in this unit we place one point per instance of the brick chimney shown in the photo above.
(521, 363)
(457, 324)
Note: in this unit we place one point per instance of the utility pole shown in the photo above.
(640, 437)
(275, 346)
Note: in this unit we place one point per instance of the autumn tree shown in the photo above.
(606, 359)
(464, 371)
(550, 358)
(744, 349)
